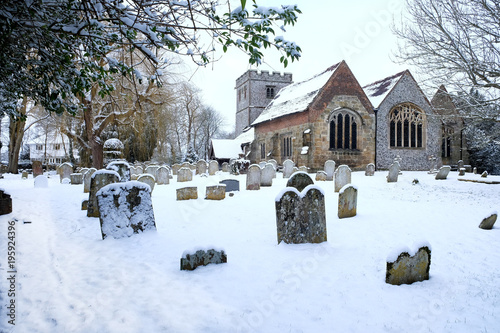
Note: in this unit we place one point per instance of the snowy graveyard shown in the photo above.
(71, 280)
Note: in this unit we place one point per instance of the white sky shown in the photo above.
(358, 32)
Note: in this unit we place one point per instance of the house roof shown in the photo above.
(296, 97)
(226, 149)
(378, 91)
(247, 136)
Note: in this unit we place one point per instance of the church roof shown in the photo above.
(226, 149)
(378, 91)
(296, 97)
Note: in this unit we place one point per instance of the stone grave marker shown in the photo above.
(304, 169)
(123, 169)
(65, 169)
(299, 180)
(460, 164)
(152, 170)
(274, 163)
(295, 169)
(201, 167)
(484, 174)
(348, 201)
(24, 175)
(231, 184)
(287, 168)
(474, 171)
(461, 172)
(41, 181)
(215, 192)
(163, 176)
(392, 177)
(184, 175)
(329, 169)
(187, 193)
(342, 177)
(321, 176)
(37, 168)
(253, 177)
(76, 178)
(213, 167)
(175, 169)
(487, 223)
(370, 170)
(125, 209)
(225, 167)
(407, 268)
(190, 261)
(87, 179)
(262, 164)
(267, 175)
(147, 179)
(99, 179)
(443, 172)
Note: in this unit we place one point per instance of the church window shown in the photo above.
(446, 142)
(286, 148)
(263, 151)
(406, 127)
(344, 130)
(270, 91)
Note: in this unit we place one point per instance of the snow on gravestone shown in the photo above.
(147, 179)
(225, 167)
(99, 179)
(299, 180)
(215, 192)
(321, 176)
(443, 172)
(87, 178)
(41, 181)
(267, 174)
(213, 167)
(406, 267)
(125, 209)
(201, 167)
(192, 259)
(76, 178)
(329, 169)
(370, 169)
(253, 177)
(122, 167)
(65, 170)
(152, 170)
(300, 216)
(163, 176)
(342, 177)
(392, 177)
(348, 201)
(287, 168)
(184, 175)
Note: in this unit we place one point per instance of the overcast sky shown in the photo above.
(357, 31)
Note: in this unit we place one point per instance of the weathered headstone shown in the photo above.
(184, 175)
(295, 169)
(231, 184)
(253, 177)
(125, 209)
(460, 164)
(191, 261)
(5, 203)
(300, 217)
(65, 169)
(487, 223)
(461, 172)
(348, 201)
(321, 176)
(123, 169)
(267, 175)
(287, 168)
(99, 179)
(215, 192)
(24, 175)
(187, 193)
(443, 172)
(225, 167)
(304, 169)
(274, 163)
(175, 169)
(213, 167)
(87, 178)
(484, 174)
(152, 170)
(201, 167)
(407, 268)
(76, 178)
(392, 177)
(474, 171)
(147, 179)
(329, 169)
(37, 168)
(342, 177)
(299, 180)
(370, 169)
(85, 204)
(163, 176)
(41, 181)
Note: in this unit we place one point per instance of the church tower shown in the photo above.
(254, 91)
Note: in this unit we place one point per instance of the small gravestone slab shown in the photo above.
(125, 209)
(299, 180)
(225, 167)
(99, 179)
(267, 175)
(41, 181)
(329, 169)
(163, 176)
(443, 172)
(348, 201)
(487, 223)
(287, 168)
(123, 169)
(304, 169)
(342, 177)
(215, 192)
(187, 193)
(175, 168)
(5, 203)
(184, 175)
(191, 261)
(213, 167)
(461, 172)
(392, 177)
(85, 204)
(152, 170)
(76, 178)
(406, 267)
(65, 170)
(321, 176)
(253, 177)
(474, 171)
(24, 175)
(201, 167)
(37, 169)
(274, 163)
(147, 179)
(484, 174)
(231, 184)
(87, 179)
(370, 170)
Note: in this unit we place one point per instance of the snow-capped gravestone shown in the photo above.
(300, 216)
(147, 179)
(348, 201)
(152, 170)
(122, 167)
(461, 172)
(87, 179)
(24, 175)
(274, 163)
(299, 180)
(253, 177)
(329, 169)
(370, 170)
(5, 203)
(287, 168)
(41, 181)
(125, 209)
(225, 167)
(184, 175)
(460, 164)
(112, 149)
(484, 174)
(201, 167)
(175, 169)
(187, 193)
(213, 167)
(215, 192)
(37, 168)
(443, 172)
(392, 177)
(321, 176)
(267, 175)
(99, 179)
(342, 177)
(262, 164)
(191, 261)
(231, 184)
(76, 178)
(162, 176)
(65, 171)
(405, 266)
(304, 169)
(487, 223)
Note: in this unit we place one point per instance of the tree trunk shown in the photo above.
(95, 143)
(16, 133)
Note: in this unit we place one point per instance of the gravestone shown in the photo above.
(41, 181)
(99, 179)
(85, 204)
(125, 209)
(287, 168)
(147, 179)
(329, 169)
(487, 223)
(304, 169)
(37, 169)
(295, 169)
(342, 177)
(190, 262)
(225, 167)
(474, 171)
(187, 193)
(24, 175)
(139, 169)
(321, 176)
(262, 164)
(213, 167)
(392, 177)
(152, 170)
(76, 178)
(5, 203)
(299, 180)
(267, 175)
(433, 164)
(460, 164)
(83, 171)
(253, 177)
(348, 201)
(370, 170)
(184, 175)
(300, 217)
(215, 192)
(65, 170)
(87, 179)
(201, 167)
(484, 174)
(443, 172)
(407, 267)
(461, 172)
(231, 184)
(163, 176)
(123, 169)
(175, 169)
(274, 163)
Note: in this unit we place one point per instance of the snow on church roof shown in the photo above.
(377, 91)
(226, 148)
(295, 97)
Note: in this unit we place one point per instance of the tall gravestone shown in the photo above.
(87, 179)
(184, 175)
(267, 175)
(65, 171)
(329, 169)
(342, 177)
(122, 167)
(152, 170)
(370, 170)
(201, 167)
(163, 176)
(99, 179)
(348, 201)
(392, 177)
(37, 168)
(253, 177)
(213, 167)
(299, 181)
(287, 168)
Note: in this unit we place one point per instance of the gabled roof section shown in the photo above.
(378, 91)
(296, 97)
(226, 149)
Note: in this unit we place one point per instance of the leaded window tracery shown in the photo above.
(406, 127)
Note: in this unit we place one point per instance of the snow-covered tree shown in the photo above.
(191, 155)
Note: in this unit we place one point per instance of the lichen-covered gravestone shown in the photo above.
(187, 193)
(406, 267)
(123, 169)
(342, 177)
(99, 179)
(487, 223)
(184, 175)
(370, 170)
(287, 168)
(299, 180)
(152, 170)
(348, 201)
(267, 175)
(201, 167)
(191, 261)
(443, 172)
(76, 178)
(329, 169)
(392, 177)
(225, 167)
(125, 209)
(321, 176)
(300, 216)
(215, 192)
(87, 179)
(147, 179)
(163, 176)
(37, 169)
(253, 177)
(213, 167)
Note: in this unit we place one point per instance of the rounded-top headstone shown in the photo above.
(41, 181)
(300, 180)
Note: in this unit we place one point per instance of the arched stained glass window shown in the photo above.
(344, 130)
(406, 125)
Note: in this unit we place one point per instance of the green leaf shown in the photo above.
(243, 4)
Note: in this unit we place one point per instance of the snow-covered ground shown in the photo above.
(69, 280)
